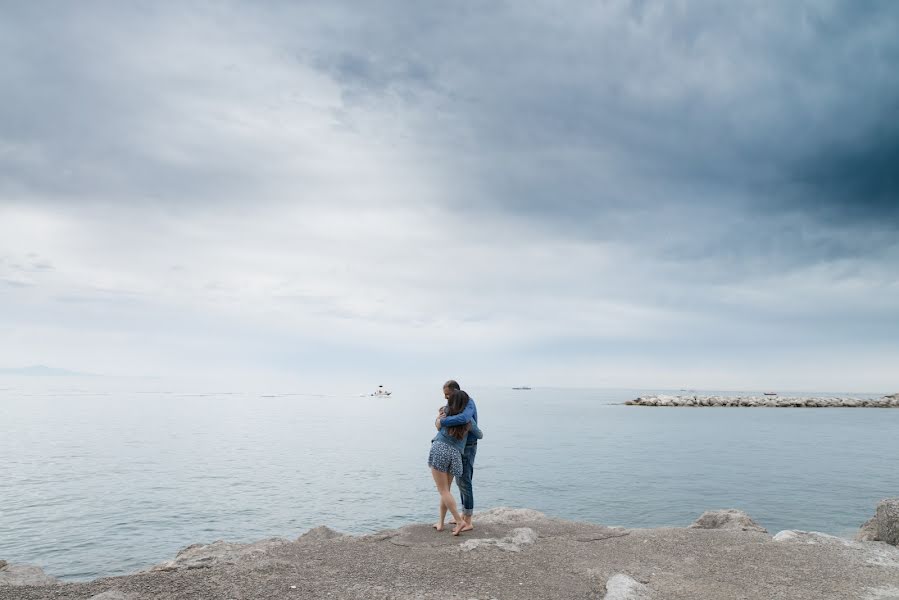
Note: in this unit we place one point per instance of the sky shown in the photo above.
(583, 194)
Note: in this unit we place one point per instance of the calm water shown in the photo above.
(95, 482)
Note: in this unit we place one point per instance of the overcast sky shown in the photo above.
(622, 194)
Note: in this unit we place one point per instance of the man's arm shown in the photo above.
(461, 419)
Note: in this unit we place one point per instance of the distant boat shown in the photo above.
(381, 391)
(770, 393)
(524, 387)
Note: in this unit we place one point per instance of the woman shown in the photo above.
(445, 459)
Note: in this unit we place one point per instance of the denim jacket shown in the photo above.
(470, 413)
(444, 436)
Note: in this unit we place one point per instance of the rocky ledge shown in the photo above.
(514, 553)
(891, 401)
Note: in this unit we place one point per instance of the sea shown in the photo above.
(99, 480)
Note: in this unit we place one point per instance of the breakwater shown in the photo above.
(769, 401)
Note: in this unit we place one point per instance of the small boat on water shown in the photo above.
(521, 388)
(770, 393)
(381, 391)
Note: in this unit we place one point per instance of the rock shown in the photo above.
(202, 556)
(622, 587)
(25, 575)
(887, 521)
(871, 553)
(320, 533)
(883, 526)
(868, 531)
(556, 559)
(804, 537)
(521, 536)
(110, 595)
(727, 519)
(889, 592)
(3, 564)
(508, 516)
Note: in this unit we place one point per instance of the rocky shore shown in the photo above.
(772, 401)
(515, 553)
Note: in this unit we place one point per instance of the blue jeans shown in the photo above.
(464, 482)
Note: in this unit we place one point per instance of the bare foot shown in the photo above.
(438, 526)
(459, 528)
(466, 526)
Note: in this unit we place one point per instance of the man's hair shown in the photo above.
(452, 384)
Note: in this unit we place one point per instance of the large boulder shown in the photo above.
(24, 575)
(868, 531)
(727, 519)
(883, 526)
(887, 521)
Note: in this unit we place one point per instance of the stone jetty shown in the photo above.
(770, 401)
(512, 554)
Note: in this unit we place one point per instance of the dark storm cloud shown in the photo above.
(857, 182)
(630, 120)
(678, 126)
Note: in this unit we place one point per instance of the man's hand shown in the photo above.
(437, 423)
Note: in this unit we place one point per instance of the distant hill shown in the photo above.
(43, 371)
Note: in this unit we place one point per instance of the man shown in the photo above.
(471, 449)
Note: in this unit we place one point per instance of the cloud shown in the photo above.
(619, 183)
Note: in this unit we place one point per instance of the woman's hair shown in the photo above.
(457, 403)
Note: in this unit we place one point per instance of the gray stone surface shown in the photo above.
(767, 401)
(204, 556)
(110, 595)
(623, 587)
(17, 575)
(884, 525)
(514, 542)
(868, 531)
(882, 593)
(565, 560)
(871, 553)
(319, 533)
(887, 521)
(727, 519)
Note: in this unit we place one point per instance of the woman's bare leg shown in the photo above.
(442, 512)
(443, 506)
(459, 523)
(452, 521)
(439, 524)
(446, 497)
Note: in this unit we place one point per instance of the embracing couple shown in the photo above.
(452, 455)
